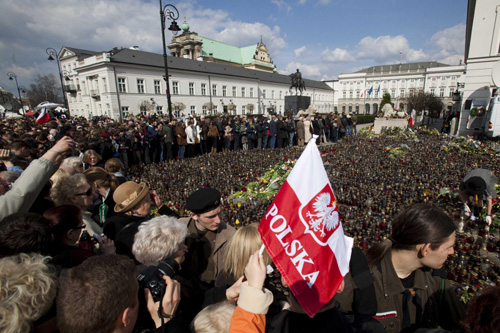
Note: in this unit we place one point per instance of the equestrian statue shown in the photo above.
(297, 82)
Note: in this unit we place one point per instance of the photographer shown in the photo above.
(159, 248)
(101, 295)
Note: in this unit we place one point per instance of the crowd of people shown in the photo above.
(101, 231)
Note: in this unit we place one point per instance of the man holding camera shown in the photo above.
(88, 302)
(207, 236)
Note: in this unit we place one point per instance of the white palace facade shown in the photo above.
(117, 82)
(362, 91)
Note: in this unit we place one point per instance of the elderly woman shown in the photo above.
(76, 190)
(158, 239)
(91, 159)
(27, 291)
(72, 165)
(133, 206)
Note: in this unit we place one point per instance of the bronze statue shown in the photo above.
(297, 82)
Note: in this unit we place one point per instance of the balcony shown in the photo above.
(71, 88)
(94, 93)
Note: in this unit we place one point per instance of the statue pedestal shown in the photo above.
(391, 122)
(295, 103)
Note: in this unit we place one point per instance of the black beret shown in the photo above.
(475, 185)
(203, 200)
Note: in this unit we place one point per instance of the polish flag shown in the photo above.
(411, 118)
(43, 117)
(303, 234)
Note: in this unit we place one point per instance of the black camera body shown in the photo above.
(152, 277)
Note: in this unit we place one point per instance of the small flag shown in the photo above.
(370, 91)
(411, 118)
(303, 234)
(43, 117)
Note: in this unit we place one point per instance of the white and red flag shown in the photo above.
(412, 120)
(43, 117)
(303, 234)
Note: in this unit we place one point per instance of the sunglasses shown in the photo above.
(88, 193)
(80, 227)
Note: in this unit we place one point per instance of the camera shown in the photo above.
(152, 277)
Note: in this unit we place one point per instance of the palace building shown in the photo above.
(129, 81)
(362, 91)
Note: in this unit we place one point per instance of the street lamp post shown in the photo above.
(13, 76)
(172, 14)
(53, 56)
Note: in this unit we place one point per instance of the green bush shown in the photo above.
(366, 118)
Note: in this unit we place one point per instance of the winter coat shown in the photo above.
(206, 252)
(27, 187)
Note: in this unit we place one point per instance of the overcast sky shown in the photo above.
(322, 38)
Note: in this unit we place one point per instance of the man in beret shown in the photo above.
(477, 187)
(207, 236)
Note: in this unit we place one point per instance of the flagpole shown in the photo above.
(364, 102)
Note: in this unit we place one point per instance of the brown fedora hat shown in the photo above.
(128, 195)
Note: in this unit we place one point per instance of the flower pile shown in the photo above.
(267, 186)
(468, 144)
(393, 152)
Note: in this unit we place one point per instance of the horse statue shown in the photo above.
(297, 82)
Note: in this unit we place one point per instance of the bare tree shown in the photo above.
(250, 107)
(45, 88)
(145, 105)
(422, 101)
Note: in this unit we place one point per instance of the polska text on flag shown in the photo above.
(303, 234)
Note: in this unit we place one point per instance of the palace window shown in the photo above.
(122, 85)
(157, 85)
(140, 86)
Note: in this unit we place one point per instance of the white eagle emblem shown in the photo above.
(325, 214)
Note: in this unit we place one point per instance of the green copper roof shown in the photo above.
(226, 52)
(185, 26)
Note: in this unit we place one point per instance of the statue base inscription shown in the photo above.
(391, 122)
(296, 103)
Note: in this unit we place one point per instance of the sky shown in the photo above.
(322, 38)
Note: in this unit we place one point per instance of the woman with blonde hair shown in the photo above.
(242, 245)
(27, 291)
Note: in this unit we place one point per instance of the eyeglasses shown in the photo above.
(88, 193)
